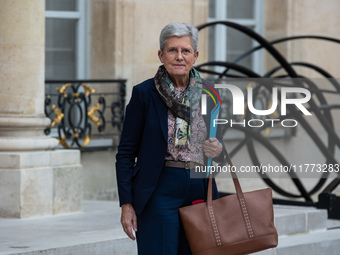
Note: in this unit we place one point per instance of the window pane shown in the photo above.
(240, 9)
(61, 5)
(60, 49)
(237, 44)
(211, 43)
(212, 9)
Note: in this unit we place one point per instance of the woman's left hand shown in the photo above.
(212, 147)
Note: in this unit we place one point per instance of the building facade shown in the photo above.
(106, 39)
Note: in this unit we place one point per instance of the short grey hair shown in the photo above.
(179, 30)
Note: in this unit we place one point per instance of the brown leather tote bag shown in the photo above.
(241, 223)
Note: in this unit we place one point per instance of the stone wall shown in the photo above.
(125, 35)
(99, 176)
(305, 17)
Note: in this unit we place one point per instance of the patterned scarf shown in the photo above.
(184, 107)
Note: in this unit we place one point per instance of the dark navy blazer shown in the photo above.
(143, 145)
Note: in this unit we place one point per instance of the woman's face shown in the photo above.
(178, 56)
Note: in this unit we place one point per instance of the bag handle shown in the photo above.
(237, 185)
(241, 201)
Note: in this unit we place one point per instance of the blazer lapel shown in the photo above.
(162, 112)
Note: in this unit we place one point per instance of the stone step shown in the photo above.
(294, 220)
(97, 231)
(109, 242)
(312, 243)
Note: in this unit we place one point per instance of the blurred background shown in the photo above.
(67, 68)
(116, 39)
(88, 54)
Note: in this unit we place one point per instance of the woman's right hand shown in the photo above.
(129, 220)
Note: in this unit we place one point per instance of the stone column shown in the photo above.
(35, 180)
(22, 57)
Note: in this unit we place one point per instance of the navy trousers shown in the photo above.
(159, 228)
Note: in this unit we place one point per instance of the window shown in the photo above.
(66, 39)
(226, 44)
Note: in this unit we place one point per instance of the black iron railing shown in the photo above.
(318, 105)
(85, 114)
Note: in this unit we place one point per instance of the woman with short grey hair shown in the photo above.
(179, 30)
(164, 133)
